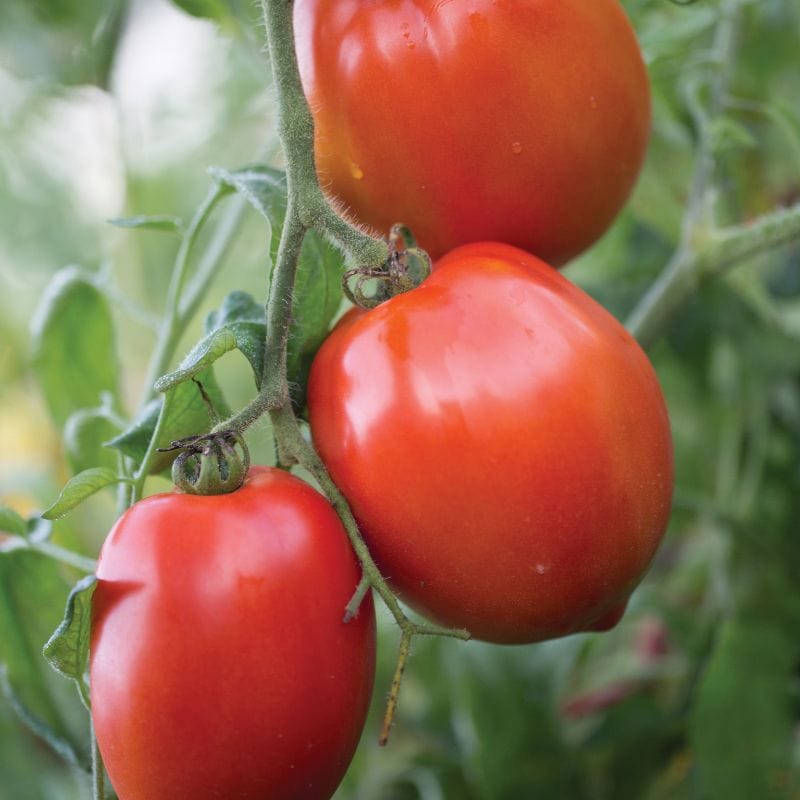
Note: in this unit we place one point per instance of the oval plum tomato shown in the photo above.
(504, 444)
(521, 122)
(220, 666)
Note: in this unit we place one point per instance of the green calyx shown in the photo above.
(214, 463)
(405, 269)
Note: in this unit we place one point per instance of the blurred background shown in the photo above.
(112, 108)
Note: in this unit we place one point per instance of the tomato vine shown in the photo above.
(705, 252)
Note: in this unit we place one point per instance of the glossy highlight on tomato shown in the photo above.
(220, 664)
(504, 444)
(522, 121)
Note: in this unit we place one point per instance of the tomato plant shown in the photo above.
(525, 123)
(220, 664)
(504, 444)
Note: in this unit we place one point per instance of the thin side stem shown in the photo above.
(690, 267)
(98, 770)
(394, 691)
(705, 251)
(173, 321)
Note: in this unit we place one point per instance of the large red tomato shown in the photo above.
(522, 121)
(504, 444)
(220, 666)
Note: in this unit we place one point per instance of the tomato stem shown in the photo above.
(391, 704)
(351, 609)
(308, 209)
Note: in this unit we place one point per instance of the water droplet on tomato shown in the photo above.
(356, 171)
(516, 148)
(593, 101)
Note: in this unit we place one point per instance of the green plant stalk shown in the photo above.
(54, 551)
(705, 251)
(174, 320)
(693, 265)
(307, 209)
(98, 770)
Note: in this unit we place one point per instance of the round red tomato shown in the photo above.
(522, 122)
(220, 666)
(504, 444)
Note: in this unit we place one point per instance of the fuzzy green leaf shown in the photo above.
(185, 415)
(317, 294)
(67, 650)
(238, 324)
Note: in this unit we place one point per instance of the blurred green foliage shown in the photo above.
(696, 694)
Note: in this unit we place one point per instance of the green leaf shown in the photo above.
(78, 488)
(11, 522)
(317, 293)
(154, 222)
(263, 187)
(741, 724)
(236, 307)
(316, 300)
(59, 744)
(185, 415)
(32, 591)
(67, 650)
(74, 353)
(86, 433)
(210, 9)
(238, 324)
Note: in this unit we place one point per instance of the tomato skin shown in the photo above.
(518, 121)
(504, 444)
(219, 662)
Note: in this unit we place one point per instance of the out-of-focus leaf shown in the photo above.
(741, 722)
(210, 9)
(71, 41)
(60, 745)
(74, 354)
(11, 522)
(151, 222)
(185, 415)
(78, 488)
(85, 435)
(32, 591)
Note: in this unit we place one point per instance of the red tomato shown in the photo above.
(521, 122)
(220, 666)
(504, 444)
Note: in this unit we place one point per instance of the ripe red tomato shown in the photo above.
(522, 122)
(220, 666)
(504, 444)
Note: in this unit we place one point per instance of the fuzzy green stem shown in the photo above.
(308, 209)
(690, 267)
(296, 129)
